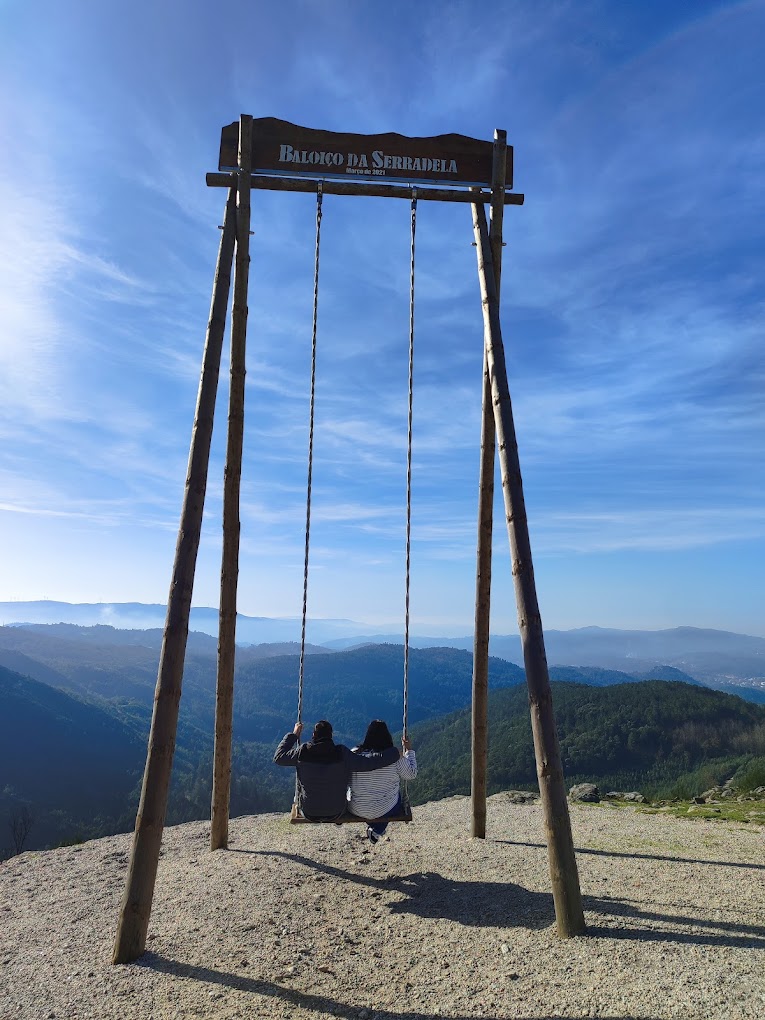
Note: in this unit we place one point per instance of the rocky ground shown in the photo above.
(311, 921)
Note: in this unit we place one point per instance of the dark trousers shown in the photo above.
(379, 828)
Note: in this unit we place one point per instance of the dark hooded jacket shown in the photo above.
(324, 771)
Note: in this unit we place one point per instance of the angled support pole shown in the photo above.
(560, 846)
(130, 940)
(485, 528)
(229, 576)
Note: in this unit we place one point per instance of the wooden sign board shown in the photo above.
(279, 147)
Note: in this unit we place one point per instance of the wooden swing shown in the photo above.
(405, 814)
(275, 155)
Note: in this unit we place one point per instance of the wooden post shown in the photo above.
(562, 860)
(485, 527)
(130, 940)
(221, 791)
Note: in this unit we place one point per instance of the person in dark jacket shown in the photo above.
(324, 770)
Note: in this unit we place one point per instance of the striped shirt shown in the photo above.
(373, 794)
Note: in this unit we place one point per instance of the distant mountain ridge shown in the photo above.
(340, 633)
(149, 616)
(350, 687)
(720, 659)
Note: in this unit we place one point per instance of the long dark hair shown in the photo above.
(377, 737)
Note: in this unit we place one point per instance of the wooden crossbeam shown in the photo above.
(425, 194)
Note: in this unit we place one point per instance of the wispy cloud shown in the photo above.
(646, 529)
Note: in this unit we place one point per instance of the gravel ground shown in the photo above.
(307, 921)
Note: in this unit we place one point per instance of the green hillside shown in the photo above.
(350, 688)
(628, 736)
(72, 762)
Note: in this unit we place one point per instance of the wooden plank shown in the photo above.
(296, 818)
(279, 146)
(562, 860)
(130, 939)
(331, 187)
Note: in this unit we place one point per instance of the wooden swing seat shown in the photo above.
(297, 818)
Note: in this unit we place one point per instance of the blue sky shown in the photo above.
(633, 306)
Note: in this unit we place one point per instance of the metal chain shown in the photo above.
(319, 196)
(409, 466)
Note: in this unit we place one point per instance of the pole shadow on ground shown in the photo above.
(323, 1005)
(639, 857)
(508, 905)
(428, 894)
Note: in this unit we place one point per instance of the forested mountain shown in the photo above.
(101, 688)
(350, 688)
(629, 736)
(75, 764)
(76, 707)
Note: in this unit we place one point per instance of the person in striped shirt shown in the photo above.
(377, 794)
